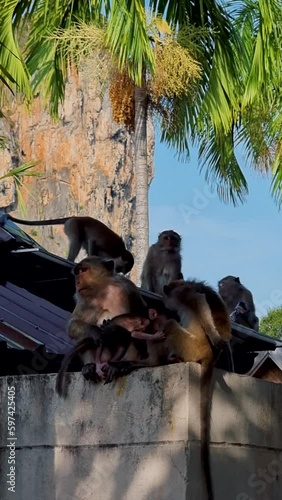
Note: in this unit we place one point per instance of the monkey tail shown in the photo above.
(82, 346)
(205, 408)
(49, 222)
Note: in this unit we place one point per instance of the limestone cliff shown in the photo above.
(86, 161)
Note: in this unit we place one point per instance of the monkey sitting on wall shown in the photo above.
(163, 262)
(204, 320)
(100, 295)
(208, 305)
(239, 302)
(106, 343)
(113, 341)
(91, 235)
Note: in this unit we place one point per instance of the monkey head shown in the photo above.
(228, 285)
(124, 263)
(90, 272)
(131, 322)
(169, 241)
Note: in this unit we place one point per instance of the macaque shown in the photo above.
(163, 263)
(107, 343)
(239, 302)
(100, 295)
(113, 341)
(207, 304)
(187, 342)
(91, 235)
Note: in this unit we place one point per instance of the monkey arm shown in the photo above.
(147, 281)
(148, 336)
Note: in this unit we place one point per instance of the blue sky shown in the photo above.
(219, 239)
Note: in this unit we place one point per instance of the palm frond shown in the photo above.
(24, 170)
(18, 174)
(128, 40)
(12, 66)
(44, 57)
(259, 23)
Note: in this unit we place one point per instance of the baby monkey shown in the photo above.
(119, 339)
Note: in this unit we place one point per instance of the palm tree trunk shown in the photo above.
(141, 179)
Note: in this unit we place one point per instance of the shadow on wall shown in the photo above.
(139, 437)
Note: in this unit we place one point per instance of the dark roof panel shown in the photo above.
(35, 317)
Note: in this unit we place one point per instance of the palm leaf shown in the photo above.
(18, 174)
(11, 62)
(128, 40)
(23, 170)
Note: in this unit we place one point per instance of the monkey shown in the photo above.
(207, 303)
(91, 235)
(189, 342)
(239, 302)
(109, 343)
(100, 295)
(163, 262)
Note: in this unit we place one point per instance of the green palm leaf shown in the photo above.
(128, 40)
(11, 62)
(17, 174)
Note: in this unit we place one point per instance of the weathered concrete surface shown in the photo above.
(138, 439)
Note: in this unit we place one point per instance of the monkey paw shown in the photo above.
(218, 345)
(117, 369)
(216, 339)
(89, 372)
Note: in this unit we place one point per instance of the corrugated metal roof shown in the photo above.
(33, 317)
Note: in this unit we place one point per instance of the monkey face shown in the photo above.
(169, 240)
(227, 284)
(90, 271)
(131, 323)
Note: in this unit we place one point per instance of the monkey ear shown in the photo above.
(237, 280)
(167, 289)
(109, 265)
(152, 314)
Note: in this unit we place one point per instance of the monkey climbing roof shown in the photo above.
(36, 300)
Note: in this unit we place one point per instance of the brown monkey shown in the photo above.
(163, 262)
(212, 311)
(108, 343)
(189, 343)
(100, 295)
(91, 235)
(113, 341)
(239, 302)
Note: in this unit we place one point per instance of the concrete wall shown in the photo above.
(138, 439)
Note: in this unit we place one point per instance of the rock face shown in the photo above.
(86, 162)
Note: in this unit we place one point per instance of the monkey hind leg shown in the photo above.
(89, 372)
(74, 248)
(116, 369)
